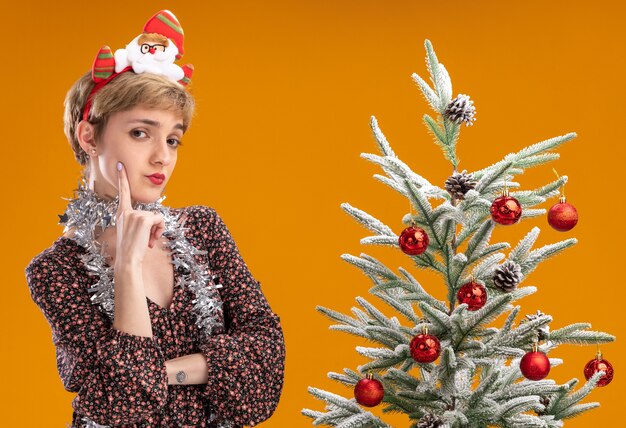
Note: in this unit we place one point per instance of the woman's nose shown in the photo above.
(162, 153)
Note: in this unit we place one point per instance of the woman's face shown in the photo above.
(146, 141)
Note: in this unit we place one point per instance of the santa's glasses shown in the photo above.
(146, 47)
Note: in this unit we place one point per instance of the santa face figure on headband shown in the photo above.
(156, 49)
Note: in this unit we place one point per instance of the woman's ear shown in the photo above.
(85, 134)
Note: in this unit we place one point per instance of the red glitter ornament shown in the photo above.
(472, 293)
(599, 364)
(506, 210)
(413, 240)
(535, 365)
(369, 392)
(562, 216)
(425, 348)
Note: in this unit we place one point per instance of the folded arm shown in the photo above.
(120, 377)
(246, 363)
(193, 368)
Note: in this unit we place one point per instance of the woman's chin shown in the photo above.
(147, 197)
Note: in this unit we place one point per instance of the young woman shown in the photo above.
(156, 319)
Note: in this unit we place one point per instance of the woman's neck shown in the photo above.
(100, 193)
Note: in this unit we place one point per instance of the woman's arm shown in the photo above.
(131, 306)
(136, 230)
(246, 364)
(193, 366)
(120, 377)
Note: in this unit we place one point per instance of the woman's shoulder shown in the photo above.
(63, 251)
(195, 209)
(198, 214)
(60, 258)
(203, 223)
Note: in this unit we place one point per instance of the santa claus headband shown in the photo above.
(153, 51)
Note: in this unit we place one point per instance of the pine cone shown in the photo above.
(542, 332)
(460, 110)
(458, 184)
(429, 421)
(507, 276)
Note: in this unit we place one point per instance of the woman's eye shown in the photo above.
(174, 142)
(137, 133)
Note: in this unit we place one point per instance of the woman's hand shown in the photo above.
(136, 230)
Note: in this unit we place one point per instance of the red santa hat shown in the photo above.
(166, 24)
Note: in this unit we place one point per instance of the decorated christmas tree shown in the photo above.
(445, 363)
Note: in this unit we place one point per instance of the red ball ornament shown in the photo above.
(599, 364)
(425, 348)
(369, 392)
(413, 240)
(562, 216)
(472, 293)
(506, 210)
(535, 365)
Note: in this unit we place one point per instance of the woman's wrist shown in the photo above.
(187, 370)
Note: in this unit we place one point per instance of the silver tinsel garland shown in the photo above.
(87, 210)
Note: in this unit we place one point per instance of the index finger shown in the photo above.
(123, 189)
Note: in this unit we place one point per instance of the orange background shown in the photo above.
(285, 91)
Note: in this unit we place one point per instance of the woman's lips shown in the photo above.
(156, 178)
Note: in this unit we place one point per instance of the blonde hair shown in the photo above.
(123, 93)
